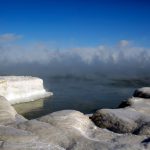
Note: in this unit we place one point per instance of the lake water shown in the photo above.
(80, 93)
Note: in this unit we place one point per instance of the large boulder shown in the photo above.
(17, 139)
(37, 145)
(132, 119)
(7, 112)
(142, 92)
(66, 129)
(72, 130)
(70, 119)
(144, 129)
(117, 120)
(11, 134)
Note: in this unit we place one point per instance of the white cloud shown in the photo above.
(124, 43)
(104, 59)
(44, 55)
(7, 37)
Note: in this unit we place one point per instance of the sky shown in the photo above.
(76, 23)
(77, 32)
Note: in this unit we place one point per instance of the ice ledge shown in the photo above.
(18, 89)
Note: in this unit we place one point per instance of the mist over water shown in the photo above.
(84, 79)
(121, 60)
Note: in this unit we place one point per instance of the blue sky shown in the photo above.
(75, 36)
(76, 23)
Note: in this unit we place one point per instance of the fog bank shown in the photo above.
(122, 60)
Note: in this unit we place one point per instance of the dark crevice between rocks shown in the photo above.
(71, 146)
(146, 142)
(124, 104)
(2, 144)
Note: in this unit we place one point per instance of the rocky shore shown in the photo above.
(125, 128)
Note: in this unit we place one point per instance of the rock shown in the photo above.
(72, 130)
(117, 120)
(142, 92)
(16, 139)
(37, 145)
(19, 119)
(17, 89)
(65, 128)
(140, 105)
(46, 132)
(7, 112)
(144, 129)
(129, 142)
(125, 120)
(8, 115)
(15, 135)
(69, 118)
(124, 104)
(78, 123)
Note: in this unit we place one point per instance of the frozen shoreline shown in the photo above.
(19, 89)
(73, 130)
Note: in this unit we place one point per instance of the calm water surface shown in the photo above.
(83, 94)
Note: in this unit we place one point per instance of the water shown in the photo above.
(84, 94)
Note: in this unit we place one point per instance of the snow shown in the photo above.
(18, 89)
(69, 129)
(144, 89)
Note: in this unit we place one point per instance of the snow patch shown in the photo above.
(17, 89)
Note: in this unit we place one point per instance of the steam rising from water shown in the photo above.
(121, 60)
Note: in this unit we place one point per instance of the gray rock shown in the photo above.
(46, 132)
(125, 120)
(19, 119)
(29, 146)
(70, 119)
(66, 129)
(78, 123)
(144, 129)
(7, 112)
(15, 135)
(116, 120)
(16, 139)
(72, 130)
(142, 92)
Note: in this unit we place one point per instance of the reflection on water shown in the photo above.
(33, 108)
(86, 95)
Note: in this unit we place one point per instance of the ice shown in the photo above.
(18, 89)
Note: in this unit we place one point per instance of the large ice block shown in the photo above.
(18, 89)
